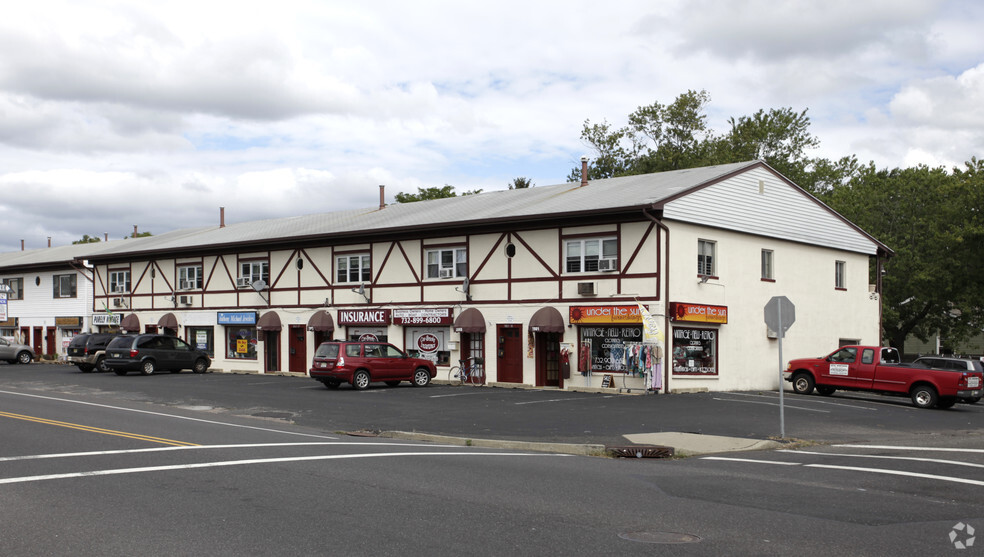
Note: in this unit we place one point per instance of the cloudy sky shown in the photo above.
(155, 114)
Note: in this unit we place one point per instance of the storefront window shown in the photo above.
(604, 348)
(694, 351)
(201, 338)
(429, 343)
(241, 343)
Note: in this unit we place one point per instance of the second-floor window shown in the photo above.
(840, 274)
(591, 255)
(706, 258)
(353, 268)
(768, 273)
(64, 286)
(15, 288)
(119, 282)
(447, 263)
(190, 277)
(252, 271)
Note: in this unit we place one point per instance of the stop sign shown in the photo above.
(780, 314)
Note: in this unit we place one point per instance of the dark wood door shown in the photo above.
(38, 339)
(509, 353)
(272, 348)
(548, 360)
(297, 361)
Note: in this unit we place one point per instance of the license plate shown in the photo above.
(973, 382)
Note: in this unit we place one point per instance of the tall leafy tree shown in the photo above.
(86, 239)
(521, 183)
(435, 192)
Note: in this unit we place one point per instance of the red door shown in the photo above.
(38, 339)
(297, 345)
(49, 341)
(509, 353)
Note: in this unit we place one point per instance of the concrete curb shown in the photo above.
(559, 448)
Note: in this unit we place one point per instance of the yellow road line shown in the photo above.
(136, 436)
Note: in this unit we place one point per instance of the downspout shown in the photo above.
(665, 278)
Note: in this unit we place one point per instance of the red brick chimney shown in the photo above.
(105, 236)
(49, 241)
(584, 171)
(22, 245)
(134, 231)
(221, 217)
(382, 196)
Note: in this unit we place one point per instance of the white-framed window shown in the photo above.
(64, 286)
(590, 255)
(768, 270)
(706, 258)
(353, 268)
(15, 288)
(840, 274)
(119, 282)
(447, 263)
(252, 271)
(190, 277)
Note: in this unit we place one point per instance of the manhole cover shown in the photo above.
(659, 537)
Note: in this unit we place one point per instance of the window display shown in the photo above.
(694, 351)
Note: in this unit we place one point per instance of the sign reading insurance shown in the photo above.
(363, 317)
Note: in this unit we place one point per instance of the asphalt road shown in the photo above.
(96, 464)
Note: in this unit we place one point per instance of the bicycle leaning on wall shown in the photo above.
(467, 371)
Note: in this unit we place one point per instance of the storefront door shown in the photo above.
(509, 353)
(272, 349)
(548, 359)
(297, 361)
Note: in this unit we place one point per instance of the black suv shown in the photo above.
(149, 353)
(88, 351)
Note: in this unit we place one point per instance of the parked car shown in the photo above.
(88, 351)
(361, 363)
(152, 352)
(955, 364)
(15, 353)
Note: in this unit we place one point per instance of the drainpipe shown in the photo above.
(665, 276)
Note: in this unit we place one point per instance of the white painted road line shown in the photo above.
(886, 457)
(167, 415)
(90, 473)
(753, 461)
(904, 448)
(813, 400)
(899, 473)
(772, 404)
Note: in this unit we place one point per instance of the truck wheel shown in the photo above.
(803, 383)
(924, 396)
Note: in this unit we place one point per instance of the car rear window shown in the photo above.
(327, 351)
(120, 342)
(79, 340)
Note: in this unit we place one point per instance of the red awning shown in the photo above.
(321, 321)
(547, 320)
(168, 321)
(470, 321)
(130, 323)
(269, 321)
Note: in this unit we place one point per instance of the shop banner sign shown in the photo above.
(650, 327)
(423, 316)
(236, 318)
(3, 306)
(107, 319)
(699, 313)
(580, 315)
(363, 317)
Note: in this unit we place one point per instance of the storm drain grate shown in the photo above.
(659, 537)
(640, 451)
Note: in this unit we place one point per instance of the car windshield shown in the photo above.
(327, 351)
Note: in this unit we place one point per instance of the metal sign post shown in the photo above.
(780, 314)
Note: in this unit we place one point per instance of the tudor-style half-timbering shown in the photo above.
(545, 285)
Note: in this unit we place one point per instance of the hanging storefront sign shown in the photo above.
(700, 313)
(236, 318)
(68, 322)
(605, 314)
(107, 319)
(430, 343)
(695, 351)
(423, 316)
(363, 317)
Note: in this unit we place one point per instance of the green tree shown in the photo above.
(435, 192)
(86, 239)
(933, 284)
(521, 183)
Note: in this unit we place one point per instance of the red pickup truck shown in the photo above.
(877, 369)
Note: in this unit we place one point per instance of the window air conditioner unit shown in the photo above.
(586, 289)
(184, 300)
(117, 302)
(184, 285)
(447, 273)
(607, 265)
(243, 282)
